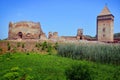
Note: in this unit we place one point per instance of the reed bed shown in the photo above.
(103, 53)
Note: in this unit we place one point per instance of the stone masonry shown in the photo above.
(80, 34)
(32, 30)
(25, 30)
(105, 21)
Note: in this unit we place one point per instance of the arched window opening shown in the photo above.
(103, 29)
(103, 35)
(80, 37)
(20, 34)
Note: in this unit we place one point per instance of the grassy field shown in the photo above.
(32, 66)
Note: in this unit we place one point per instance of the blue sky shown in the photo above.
(62, 16)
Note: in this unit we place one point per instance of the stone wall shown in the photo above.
(80, 34)
(69, 37)
(53, 35)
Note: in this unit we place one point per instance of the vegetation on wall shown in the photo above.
(46, 46)
(8, 46)
(117, 35)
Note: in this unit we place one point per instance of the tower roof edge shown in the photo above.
(105, 11)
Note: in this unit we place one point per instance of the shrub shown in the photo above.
(8, 43)
(49, 47)
(78, 72)
(27, 53)
(116, 75)
(8, 46)
(15, 73)
(15, 69)
(18, 44)
(23, 45)
(56, 46)
(8, 55)
(11, 75)
(28, 77)
(44, 45)
(38, 45)
(14, 49)
(1, 50)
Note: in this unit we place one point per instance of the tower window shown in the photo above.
(20, 34)
(103, 29)
(103, 35)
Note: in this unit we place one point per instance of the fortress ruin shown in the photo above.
(32, 30)
(25, 30)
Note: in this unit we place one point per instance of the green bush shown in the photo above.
(1, 50)
(49, 47)
(44, 45)
(15, 69)
(78, 72)
(18, 44)
(116, 75)
(29, 77)
(23, 45)
(11, 75)
(8, 55)
(38, 45)
(27, 53)
(56, 46)
(8, 46)
(15, 73)
(14, 49)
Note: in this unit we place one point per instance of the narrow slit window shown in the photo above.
(103, 29)
(103, 35)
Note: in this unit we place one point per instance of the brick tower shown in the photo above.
(105, 24)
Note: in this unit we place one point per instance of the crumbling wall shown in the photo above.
(24, 30)
(80, 34)
(53, 35)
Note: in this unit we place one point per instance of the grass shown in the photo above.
(103, 53)
(49, 67)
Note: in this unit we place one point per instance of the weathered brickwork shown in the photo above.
(24, 30)
(105, 24)
(80, 34)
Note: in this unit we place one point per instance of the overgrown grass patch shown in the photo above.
(51, 67)
(103, 53)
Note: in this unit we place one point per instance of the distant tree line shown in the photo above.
(117, 35)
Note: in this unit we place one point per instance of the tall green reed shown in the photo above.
(104, 53)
